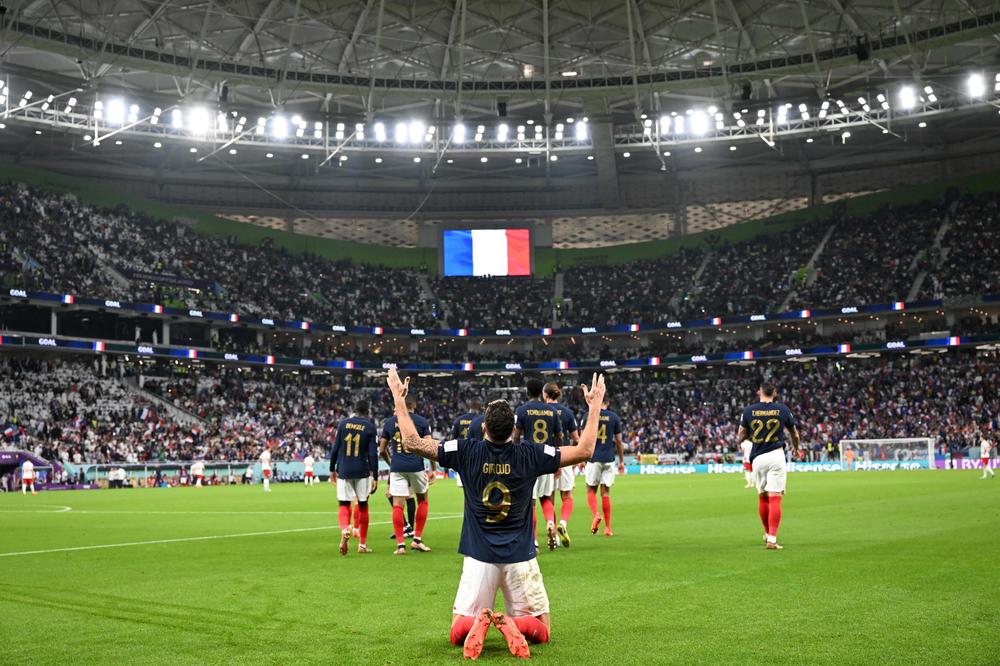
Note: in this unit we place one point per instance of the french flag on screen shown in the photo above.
(487, 252)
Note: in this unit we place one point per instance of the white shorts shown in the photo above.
(565, 479)
(770, 471)
(599, 474)
(401, 484)
(544, 486)
(354, 489)
(521, 583)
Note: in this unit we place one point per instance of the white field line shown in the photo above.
(213, 537)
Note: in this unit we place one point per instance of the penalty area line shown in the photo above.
(210, 537)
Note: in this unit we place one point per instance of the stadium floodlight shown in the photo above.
(626, 154)
(378, 160)
(823, 108)
(297, 120)
(590, 158)
(198, 121)
(194, 150)
(25, 99)
(553, 158)
(48, 102)
(732, 148)
(98, 110)
(115, 111)
(155, 118)
(222, 123)
(343, 158)
(305, 156)
(976, 85)
(883, 102)
(458, 133)
(697, 149)
(570, 73)
(232, 151)
(338, 133)
(401, 133)
(664, 125)
(679, 125)
(380, 132)
(804, 111)
(318, 130)
(864, 104)
(581, 131)
(782, 115)
(907, 98)
(484, 159)
(157, 144)
(416, 160)
(538, 131)
(518, 160)
(647, 126)
(929, 91)
(699, 123)
(133, 113)
(261, 123)
(301, 132)
(279, 127)
(430, 133)
(416, 130)
(269, 155)
(359, 130)
(572, 120)
(996, 86)
(502, 131)
(69, 105)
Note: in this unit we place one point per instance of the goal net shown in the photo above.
(898, 453)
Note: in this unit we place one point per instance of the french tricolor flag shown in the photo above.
(954, 341)
(192, 353)
(269, 360)
(748, 356)
(805, 314)
(99, 346)
(348, 365)
(463, 332)
(564, 365)
(68, 299)
(377, 330)
(234, 317)
(899, 305)
(716, 321)
(468, 367)
(157, 309)
(304, 326)
(487, 252)
(654, 360)
(633, 327)
(844, 349)
(546, 331)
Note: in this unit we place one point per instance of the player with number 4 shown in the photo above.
(497, 540)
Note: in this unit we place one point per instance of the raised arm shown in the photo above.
(425, 447)
(582, 452)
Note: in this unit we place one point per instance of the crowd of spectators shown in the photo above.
(71, 410)
(51, 241)
(970, 250)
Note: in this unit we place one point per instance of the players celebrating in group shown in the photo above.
(497, 539)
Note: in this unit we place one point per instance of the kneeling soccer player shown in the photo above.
(765, 422)
(497, 539)
(354, 466)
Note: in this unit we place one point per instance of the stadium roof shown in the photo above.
(622, 63)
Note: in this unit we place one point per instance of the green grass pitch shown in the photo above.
(879, 567)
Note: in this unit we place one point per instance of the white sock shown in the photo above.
(267, 485)
(563, 523)
(772, 539)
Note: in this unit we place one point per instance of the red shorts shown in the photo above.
(747, 467)
(309, 475)
(28, 482)
(267, 474)
(986, 462)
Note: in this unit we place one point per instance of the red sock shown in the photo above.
(567, 509)
(363, 528)
(344, 515)
(398, 523)
(592, 500)
(357, 516)
(606, 506)
(774, 514)
(460, 628)
(421, 519)
(533, 629)
(548, 509)
(762, 508)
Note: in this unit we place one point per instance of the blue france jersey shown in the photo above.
(610, 425)
(567, 419)
(497, 480)
(476, 427)
(538, 422)
(401, 460)
(355, 449)
(765, 423)
(461, 429)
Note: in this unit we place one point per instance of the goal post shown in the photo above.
(891, 453)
